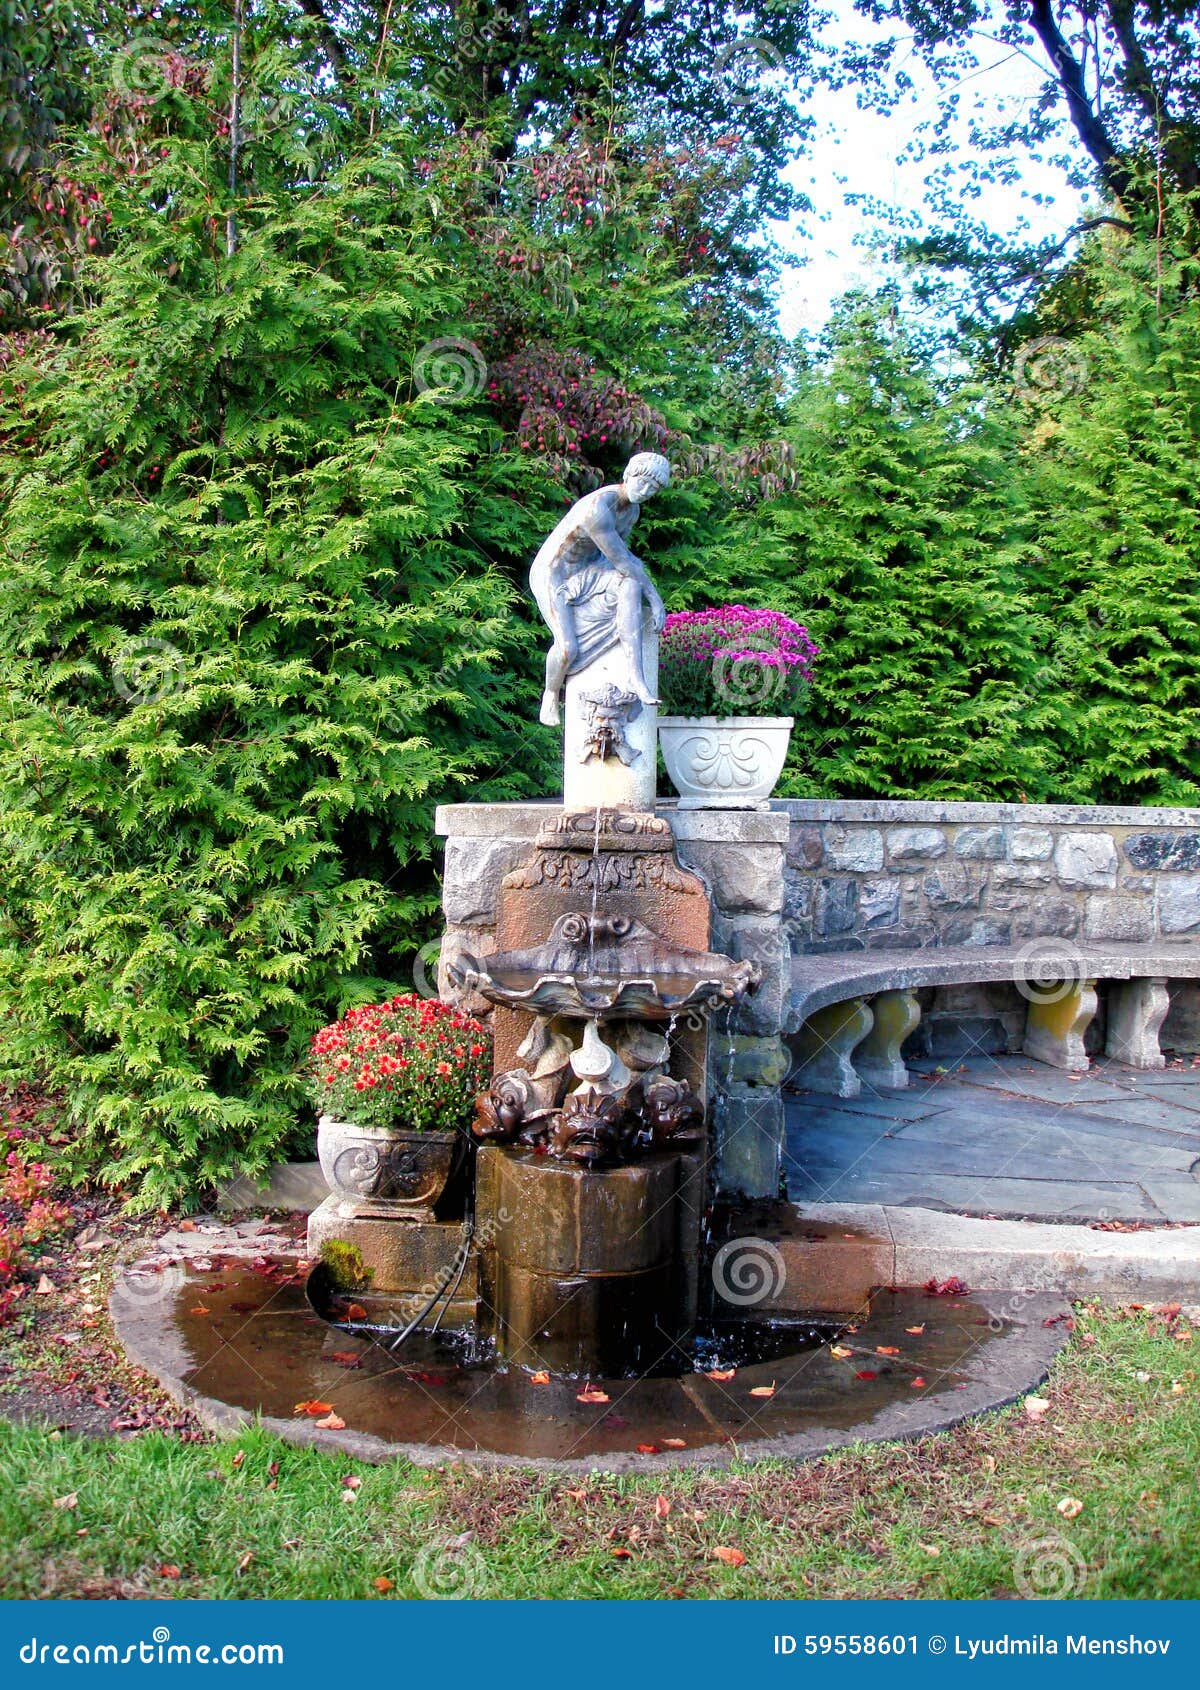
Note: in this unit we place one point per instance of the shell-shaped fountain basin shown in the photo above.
(610, 966)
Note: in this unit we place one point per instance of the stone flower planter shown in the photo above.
(724, 763)
(388, 1168)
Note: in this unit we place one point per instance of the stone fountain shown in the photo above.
(591, 1172)
(594, 1165)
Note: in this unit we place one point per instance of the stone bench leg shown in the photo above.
(877, 1060)
(1136, 1011)
(1054, 1026)
(825, 1047)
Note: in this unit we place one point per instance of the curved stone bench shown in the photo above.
(849, 1014)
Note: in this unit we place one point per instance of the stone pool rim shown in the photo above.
(1019, 1361)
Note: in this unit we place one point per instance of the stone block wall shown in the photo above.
(877, 875)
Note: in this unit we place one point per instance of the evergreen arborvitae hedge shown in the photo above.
(249, 627)
(906, 541)
(1111, 461)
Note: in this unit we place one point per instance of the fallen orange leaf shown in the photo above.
(332, 1423)
(916, 1330)
(168, 1572)
(674, 1443)
(346, 1358)
(840, 1351)
(647, 1449)
(763, 1391)
(591, 1395)
(720, 1374)
(382, 1585)
(356, 1312)
(731, 1557)
(886, 1350)
(662, 1507)
(200, 1309)
(622, 1555)
(539, 1378)
(313, 1407)
(917, 1384)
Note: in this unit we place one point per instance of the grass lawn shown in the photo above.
(970, 1513)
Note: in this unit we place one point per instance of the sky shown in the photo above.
(857, 151)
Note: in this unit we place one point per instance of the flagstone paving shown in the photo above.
(1007, 1136)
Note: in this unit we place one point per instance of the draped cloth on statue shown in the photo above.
(591, 593)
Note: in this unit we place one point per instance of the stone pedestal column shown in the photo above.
(584, 1270)
(610, 782)
(740, 856)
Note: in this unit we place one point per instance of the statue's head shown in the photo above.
(646, 473)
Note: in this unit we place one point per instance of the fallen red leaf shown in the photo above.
(622, 1555)
(356, 1312)
(866, 1374)
(166, 1572)
(346, 1358)
(647, 1449)
(313, 1407)
(382, 1585)
(918, 1384)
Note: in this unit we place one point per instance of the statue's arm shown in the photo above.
(604, 533)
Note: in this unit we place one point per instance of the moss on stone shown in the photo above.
(345, 1263)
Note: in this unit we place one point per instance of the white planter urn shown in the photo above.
(724, 762)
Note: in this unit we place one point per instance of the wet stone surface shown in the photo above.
(237, 1341)
(1003, 1135)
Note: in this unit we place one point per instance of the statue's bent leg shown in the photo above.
(558, 666)
(629, 633)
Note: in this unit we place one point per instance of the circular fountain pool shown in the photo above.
(238, 1338)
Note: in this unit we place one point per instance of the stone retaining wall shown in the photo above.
(877, 875)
